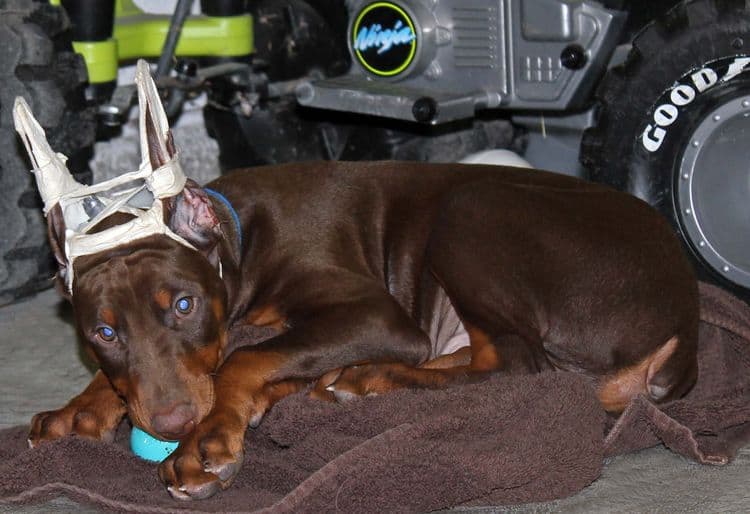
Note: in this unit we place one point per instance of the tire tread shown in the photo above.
(38, 63)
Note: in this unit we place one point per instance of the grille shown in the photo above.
(475, 37)
(540, 69)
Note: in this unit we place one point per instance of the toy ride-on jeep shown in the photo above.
(659, 109)
(649, 96)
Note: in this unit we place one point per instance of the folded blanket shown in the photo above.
(504, 441)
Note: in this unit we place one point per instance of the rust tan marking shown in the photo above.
(163, 299)
(319, 391)
(616, 391)
(461, 357)
(660, 357)
(218, 309)
(120, 385)
(375, 378)
(240, 382)
(266, 316)
(203, 360)
(379, 384)
(194, 372)
(108, 316)
(257, 368)
(385, 377)
(200, 389)
(110, 408)
(246, 373)
(480, 357)
(223, 338)
(275, 392)
(95, 413)
(136, 410)
(484, 355)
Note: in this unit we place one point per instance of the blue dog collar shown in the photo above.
(223, 199)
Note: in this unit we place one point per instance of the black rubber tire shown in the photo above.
(664, 54)
(293, 38)
(38, 63)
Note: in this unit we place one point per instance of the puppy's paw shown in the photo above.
(366, 380)
(321, 389)
(83, 416)
(206, 462)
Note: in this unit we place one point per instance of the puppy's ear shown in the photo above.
(56, 236)
(191, 215)
(160, 144)
(157, 144)
(53, 179)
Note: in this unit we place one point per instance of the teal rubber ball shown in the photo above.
(148, 447)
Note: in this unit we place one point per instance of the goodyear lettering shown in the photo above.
(683, 94)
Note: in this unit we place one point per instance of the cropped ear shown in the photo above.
(53, 179)
(191, 215)
(161, 147)
(156, 138)
(56, 236)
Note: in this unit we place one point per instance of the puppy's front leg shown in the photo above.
(95, 413)
(210, 457)
(252, 379)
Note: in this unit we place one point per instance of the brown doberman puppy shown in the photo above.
(369, 272)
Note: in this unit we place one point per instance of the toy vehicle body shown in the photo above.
(650, 97)
(669, 123)
(107, 33)
(435, 62)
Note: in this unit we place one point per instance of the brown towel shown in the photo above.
(712, 422)
(503, 441)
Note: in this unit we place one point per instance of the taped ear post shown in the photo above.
(73, 209)
(53, 179)
(157, 146)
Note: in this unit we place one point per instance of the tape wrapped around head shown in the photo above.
(85, 206)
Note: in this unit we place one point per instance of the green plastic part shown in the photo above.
(144, 35)
(101, 59)
(138, 34)
(126, 8)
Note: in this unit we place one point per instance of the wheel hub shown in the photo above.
(713, 190)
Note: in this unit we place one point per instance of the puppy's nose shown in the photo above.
(175, 421)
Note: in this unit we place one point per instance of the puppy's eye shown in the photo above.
(106, 333)
(184, 305)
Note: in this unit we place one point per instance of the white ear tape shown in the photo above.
(52, 176)
(85, 206)
(149, 102)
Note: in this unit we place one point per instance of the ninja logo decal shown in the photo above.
(384, 40)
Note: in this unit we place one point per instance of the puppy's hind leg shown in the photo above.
(474, 363)
(667, 373)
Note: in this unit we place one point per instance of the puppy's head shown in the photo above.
(145, 282)
(153, 314)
